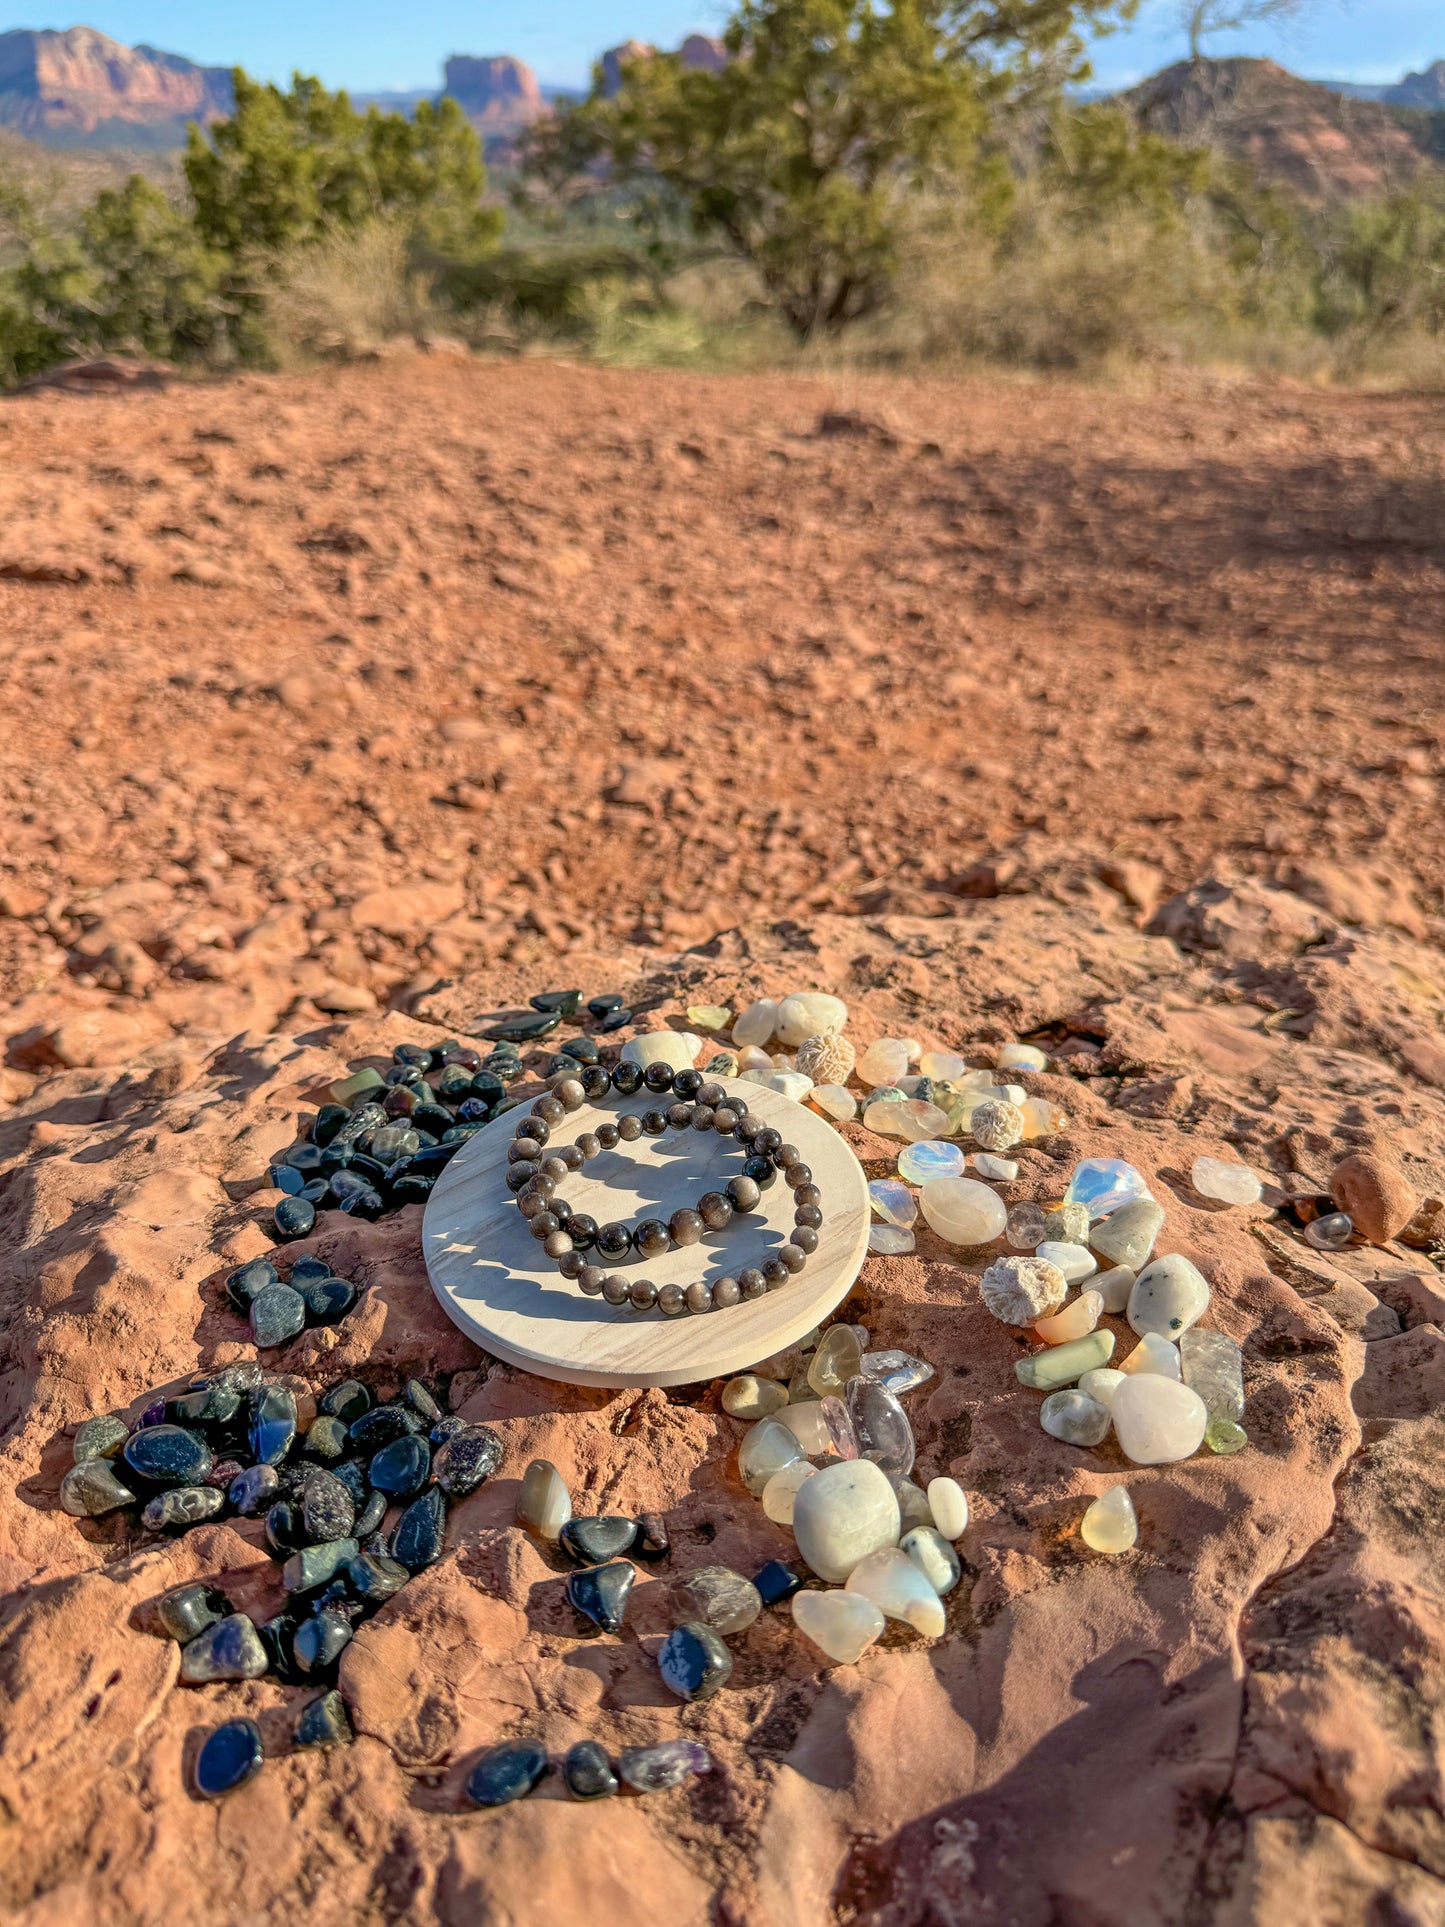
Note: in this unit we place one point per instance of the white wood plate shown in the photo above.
(494, 1280)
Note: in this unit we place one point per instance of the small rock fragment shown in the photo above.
(1376, 1197)
(1110, 1524)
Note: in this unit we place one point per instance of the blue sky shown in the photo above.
(375, 44)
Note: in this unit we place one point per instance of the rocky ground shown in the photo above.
(345, 711)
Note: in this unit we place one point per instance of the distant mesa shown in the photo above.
(1420, 90)
(81, 89)
(498, 95)
(699, 50)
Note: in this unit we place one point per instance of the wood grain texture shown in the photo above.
(494, 1280)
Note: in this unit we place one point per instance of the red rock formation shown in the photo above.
(73, 86)
(499, 95)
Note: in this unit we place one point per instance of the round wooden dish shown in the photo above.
(494, 1280)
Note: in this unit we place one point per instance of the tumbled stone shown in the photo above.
(1101, 1384)
(102, 1437)
(1226, 1180)
(325, 1438)
(600, 1593)
(1019, 1291)
(467, 1458)
(948, 1503)
(273, 1424)
(371, 1514)
(791, 1084)
(962, 1211)
(913, 1507)
(373, 1578)
(588, 1772)
(1103, 1185)
(186, 1611)
(1076, 1262)
(1212, 1364)
(1114, 1288)
(842, 1514)
(780, 1494)
(1074, 1321)
(322, 1722)
(420, 1535)
(328, 1508)
(996, 1170)
(906, 1117)
(1026, 1226)
(1331, 1232)
(943, 1066)
(592, 1542)
(765, 1449)
(1062, 1364)
(246, 1280)
(677, 1049)
(506, 1772)
(1074, 1418)
(327, 1300)
(693, 1661)
(756, 1024)
(1110, 1524)
(889, 1241)
(834, 1101)
(934, 1557)
(1169, 1295)
(168, 1455)
(312, 1566)
(899, 1589)
(930, 1158)
(884, 1062)
(230, 1755)
(91, 1489)
(1127, 1236)
(1158, 1420)
(1066, 1224)
(667, 1763)
(838, 1358)
(1224, 1436)
(229, 1649)
(544, 1502)
(843, 1624)
(900, 1371)
(347, 1401)
(653, 1542)
(996, 1125)
(1153, 1357)
(1023, 1057)
(881, 1426)
(1374, 1195)
(320, 1642)
(718, 1597)
(294, 1218)
(894, 1203)
(182, 1505)
(822, 1427)
(253, 1489)
(808, 1013)
(382, 1425)
(402, 1468)
(752, 1398)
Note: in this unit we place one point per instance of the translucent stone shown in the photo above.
(1126, 1236)
(1062, 1364)
(948, 1502)
(1016, 1291)
(847, 1511)
(962, 1211)
(822, 1427)
(1076, 1262)
(1015, 1094)
(752, 1058)
(943, 1066)
(544, 1502)
(798, 1386)
(886, 1094)
(838, 1358)
(1222, 1178)
(346, 1088)
(1103, 1184)
(756, 1024)
(881, 1424)
(1223, 1436)
(781, 1491)
(893, 1202)
(934, 1557)
(843, 1624)
(884, 1062)
(764, 1450)
(899, 1371)
(1169, 1295)
(913, 1508)
(809, 1013)
(1067, 1224)
(1114, 1288)
(718, 1597)
(1075, 1418)
(890, 1241)
(677, 1048)
(997, 1126)
(1330, 1233)
(1110, 1524)
(1041, 1117)
(931, 1158)
(914, 1047)
(996, 1170)
(1021, 1057)
(791, 1084)
(1154, 1356)
(1213, 1365)
(1157, 1420)
(1074, 1321)
(899, 1590)
(1026, 1226)
(752, 1398)
(913, 1118)
(835, 1102)
(709, 1016)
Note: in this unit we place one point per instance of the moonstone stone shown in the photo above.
(1074, 1418)
(934, 1557)
(1114, 1288)
(1101, 1384)
(756, 1024)
(834, 1101)
(1027, 1226)
(780, 1494)
(1074, 1321)
(889, 1241)
(1062, 1364)
(544, 1502)
(750, 1397)
(1213, 1366)
(883, 1063)
(1157, 1420)
(1110, 1524)
(1076, 1262)
(962, 1211)
(677, 1048)
(1168, 1297)
(996, 1170)
(943, 1066)
(1021, 1057)
(1126, 1236)
(899, 1590)
(1104, 1184)
(809, 1013)
(1154, 1356)
(838, 1358)
(1222, 1178)
(764, 1450)
(843, 1624)
(913, 1118)
(948, 1502)
(899, 1371)
(931, 1158)
(894, 1203)
(841, 1515)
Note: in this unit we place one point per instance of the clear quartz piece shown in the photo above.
(1153, 1357)
(766, 1449)
(781, 1491)
(1225, 1180)
(881, 1425)
(834, 1101)
(822, 1427)
(899, 1590)
(899, 1371)
(1027, 1226)
(843, 1624)
(1330, 1233)
(544, 1502)
(1213, 1366)
(893, 1202)
(1103, 1184)
(913, 1507)
(931, 1158)
(1110, 1524)
(838, 1358)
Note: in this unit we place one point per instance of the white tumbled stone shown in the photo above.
(756, 1024)
(846, 1512)
(834, 1101)
(1101, 1384)
(1169, 1295)
(544, 1502)
(899, 1590)
(765, 1449)
(1075, 1418)
(1114, 1288)
(1076, 1262)
(843, 1624)
(780, 1494)
(1152, 1357)
(1021, 1057)
(791, 1084)
(948, 1502)
(884, 1062)
(996, 1170)
(1126, 1236)
(1158, 1420)
(809, 1013)
(934, 1557)
(677, 1048)
(963, 1211)
(943, 1066)
(1222, 1178)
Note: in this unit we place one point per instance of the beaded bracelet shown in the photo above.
(566, 1235)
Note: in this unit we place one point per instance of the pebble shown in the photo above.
(822, 1427)
(943, 1066)
(1153, 1357)
(838, 1358)
(1074, 1321)
(230, 1649)
(780, 1494)
(523, 1027)
(322, 1722)
(931, 1158)
(327, 1300)
(652, 1769)
(277, 1314)
(693, 1661)
(1019, 1291)
(466, 1459)
(91, 1489)
(1021, 1057)
(373, 1578)
(600, 1593)
(402, 1468)
(1169, 1295)
(186, 1611)
(1026, 1226)
(913, 1118)
(99, 1438)
(1114, 1288)
(1076, 1262)
(230, 1755)
(843, 1624)
(913, 1507)
(934, 1557)
(1075, 1418)
(1223, 1178)
(997, 1125)
(168, 1455)
(328, 1507)
(963, 1212)
(605, 1004)
(881, 1426)
(347, 1401)
(566, 1003)
(1377, 1198)
(592, 1542)
(325, 1438)
(1110, 1524)
(273, 1424)
(1101, 1384)
(719, 1597)
(588, 1773)
(544, 1502)
(182, 1505)
(1223, 1436)
(809, 1013)
(1330, 1233)
(765, 1449)
(1062, 1364)
(899, 1371)
(750, 1397)
(1066, 1224)
(243, 1283)
(894, 1203)
(842, 1514)
(308, 1569)
(1212, 1364)
(948, 1503)
(834, 1101)
(900, 1590)
(420, 1535)
(756, 1024)
(996, 1170)
(1157, 1420)
(791, 1084)
(1127, 1236)
(709, 1016)
(1104, 1184)
(884, 1062)
(678, 1049)
(320, 1642)
(507, 1772)
(888, 1241)
(294, 1217)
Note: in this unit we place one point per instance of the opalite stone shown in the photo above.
(996, 1170)
(822, 1427)
(838, 1358)
(881, 1426)
(809, 1013)
(948, 1502)
(1018, 1291)
(835, 1102)
(997, 1126)
(890, 1241)
(1114, 1288)
(781, 1491)
(934, 1557)
(943, 1066)
(913, 1118)
(1222, 1178)
(893, 1202)
(1074, 1418)
(764, 1450)
(1021, 1057)
(1074, 1321)
(791, 1084)
(544, 1502)
(1213, 1366)
(1062, 1364)
(1154, 1356)
(1330, 1233)
(1169, 1295)
(1101, 1384)
(1103, 1184)
(899, 1371)
(962, 1211)
(847, 1511)
(756, 1024)
(752, 1058)
(677, 1048)
(1110, 1524)
(930, 1158)
(912, 1504)
(709, 1016)
(843, 1624)
(1126, 1236)
(884, 1062)
(1076, 1262)
(1027, 1226)
(750, 1397)
(1158, 1420)
(899, 1590)
(1223, 1436)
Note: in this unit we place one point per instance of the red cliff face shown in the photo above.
(73, 85)
(498, 94)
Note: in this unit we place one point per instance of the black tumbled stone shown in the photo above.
(524, 1028)
(600, 1593)
(566, 1003)
(506, 1772)
(320, 1641)
(615, 1019)
(402, 1468)
(652, 1542)
(776, 1582)
(186, 1611)
(420, 1534)
(273, 1424)
(325, 1438)
(327, 1299)
(328, 1509)
(588, 1772)
(581, 1050)
(381, 1425)
(229, 1756)
(168, 1455)
(277, 1314)
(421, 1401)
(373, 1579)
(466, 1459)
(310, 1568)
(447, 1428)
(322, 1722)
(294, 1217)
(227, 1650)
(346, 1401)
(592, 1542)
(373, 1511)
(285, 1529)
(693, 1661)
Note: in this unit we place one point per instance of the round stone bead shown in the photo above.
(762, 1171)
(544, 1224)
(522, 1148)
(808, 1214)
(582, 1230)
(615, 1288)
(607, 1135)
(679, 1116)
(726, 1292)
(685, 1227)
(745, 1194)
(520, 1173)
(553, 1166)
(652, 1238)
(571, 1156)
(686, 1083)
(629, 1128)
(767, 1139)
(715, 1209)
(795, 1176)
(792, 1257)
(595, 1082)
(671, 1300)
(711, 1095)
(614, 1241)
(627, 1079)
(556, 1244)
(569, 1093)
(642, 1294)
(775, 1273)
(534, 1127)
(570, 1264)
(532, 1200)
(550, 1109)
(654, 1123)
(589, 1144)
(807, 1194)
(751, 1283)
(699, 1296)
(805, 1239)
(589, 1279)
(787, 1154)
(659, 1077)
(702, 1117)
(725, 1120)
